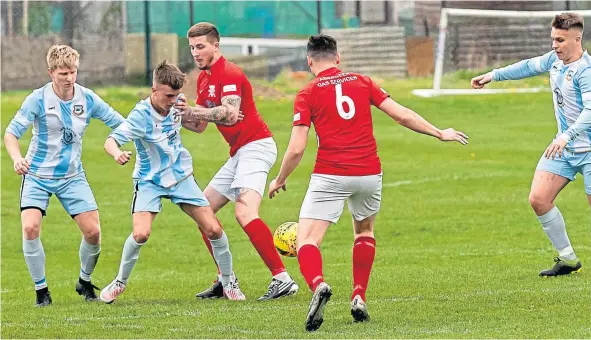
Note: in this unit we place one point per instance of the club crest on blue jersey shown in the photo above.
(569, 75)
(171, 135)
(67, 136)
(78, 110)
(559, 98)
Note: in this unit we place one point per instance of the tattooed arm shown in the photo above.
(194, 125)
(226, 114)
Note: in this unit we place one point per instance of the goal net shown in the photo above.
(475, 39)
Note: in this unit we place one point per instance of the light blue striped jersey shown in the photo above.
(161, 157)
(571, 85)
(58, 128)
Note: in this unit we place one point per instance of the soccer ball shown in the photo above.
(284, 239)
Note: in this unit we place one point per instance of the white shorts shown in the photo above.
(326, 196)
(248, 168)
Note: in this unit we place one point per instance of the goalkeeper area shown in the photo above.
(487, 39)
(458, 246)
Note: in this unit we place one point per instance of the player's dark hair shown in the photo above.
(204, 29)
(322, 46)
(169, 74)
(568, 20)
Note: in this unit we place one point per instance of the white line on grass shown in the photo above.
(447, 178)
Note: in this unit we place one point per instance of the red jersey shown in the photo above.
(339, 104)
(224, 79)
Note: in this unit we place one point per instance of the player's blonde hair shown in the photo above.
(169, 74)
(62, 56)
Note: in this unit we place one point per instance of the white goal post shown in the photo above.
(446, 13)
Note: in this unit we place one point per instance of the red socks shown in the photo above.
(364, 251)
(310, 261)
(261, 238)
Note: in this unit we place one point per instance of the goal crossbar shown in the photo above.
(440, 54)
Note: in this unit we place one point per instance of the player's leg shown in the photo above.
(144, 208)
(77, 198)
(551, 176)
(210, 226)
(247, 206)
(90, 250)
(192, 201)
(310, 235)
(322, 206)
(142, 227)
(217, 201)
(34, 199)
(254, 162)
(216, 192)
(364, 205)
(364, 251)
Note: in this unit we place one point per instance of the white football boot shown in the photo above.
(112, 291)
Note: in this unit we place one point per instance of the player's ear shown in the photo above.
(337, 58)
(309, 60)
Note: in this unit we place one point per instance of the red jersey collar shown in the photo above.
(328, 71)
(218, 65)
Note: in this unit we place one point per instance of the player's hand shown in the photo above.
(183, 109)
(274, 187)
(22, 166)
(450, 135)
(556, 148)
(481, 80)
(123, 157)
(232, 119)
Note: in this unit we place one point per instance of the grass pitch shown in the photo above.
(458, 247)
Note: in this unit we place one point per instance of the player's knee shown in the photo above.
(539, 203)
(31, 229)
(93, 236)
(244, 215)
(141, 236)
(213, 232)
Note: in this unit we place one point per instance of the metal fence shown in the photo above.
(94, 28)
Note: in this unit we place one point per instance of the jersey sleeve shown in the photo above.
(378, 94)
(302, 115)
(24, 117)
(525, 68)
(134, 127)
(99, 109)
(232, 84)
